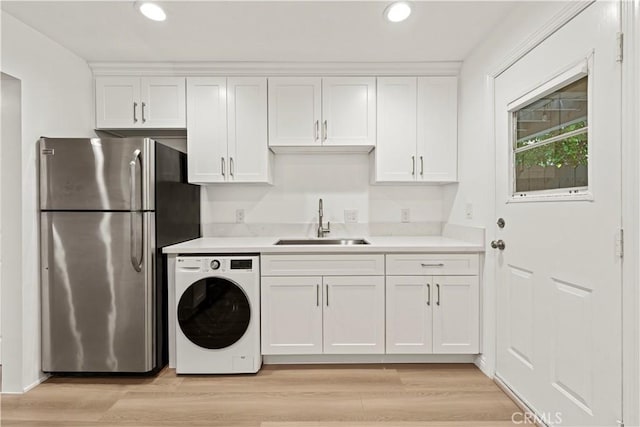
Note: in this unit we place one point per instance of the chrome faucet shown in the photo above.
(321, 230)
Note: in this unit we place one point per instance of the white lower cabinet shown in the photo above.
(409, 315)
(322, 304)
(344, 304)
(433, 304)
(291, 310)
(456, 319)
(353, 315)
(316, 315)
(432, 314)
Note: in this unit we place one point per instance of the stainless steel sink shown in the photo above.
(344, 242)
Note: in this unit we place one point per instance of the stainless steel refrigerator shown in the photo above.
(107, 207)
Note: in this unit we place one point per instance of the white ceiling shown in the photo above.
(263, 30)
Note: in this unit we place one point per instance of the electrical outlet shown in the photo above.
(468, 211)
(350, 215)
(239, 216)
(405, 215)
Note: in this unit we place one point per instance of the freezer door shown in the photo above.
(96, 174)
(97, 308)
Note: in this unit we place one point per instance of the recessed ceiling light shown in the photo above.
(398, 11)
(151, 11)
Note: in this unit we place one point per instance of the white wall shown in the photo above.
(476, 146)
(56, 101)
(290, 206)
(10, 221)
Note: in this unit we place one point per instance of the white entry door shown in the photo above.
(558, 190)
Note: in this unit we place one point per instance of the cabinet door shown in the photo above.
(353, 315)
(349, 110)
(409, 310)
(247, 144)
(437, 128)
(118, 102)
(207, 129)
(291, 314)
(294, 111)
(163, 102)
(395, 153)
(456, 319)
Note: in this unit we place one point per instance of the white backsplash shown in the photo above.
(290, 206)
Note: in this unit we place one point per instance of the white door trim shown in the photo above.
(630, 189)
(631, 212)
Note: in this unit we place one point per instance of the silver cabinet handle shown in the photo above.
(317, 295)
(421, 166)
(143, 117)
(326, 135)
(439, 264)
(438, 288)
(428, 294)
(137, 264)
(231, 166)
(317, 129)
(413, 165)
(223, 168)
(327, 292)
(135, 107)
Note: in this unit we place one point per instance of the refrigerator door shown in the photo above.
(96, 174)
(97, 308)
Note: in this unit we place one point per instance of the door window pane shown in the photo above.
(551, 140)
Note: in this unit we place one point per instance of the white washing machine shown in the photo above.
(218, 314)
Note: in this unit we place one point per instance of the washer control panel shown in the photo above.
(219, 264)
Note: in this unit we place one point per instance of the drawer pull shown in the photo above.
(439, 264)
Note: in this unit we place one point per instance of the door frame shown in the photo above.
(630, 180)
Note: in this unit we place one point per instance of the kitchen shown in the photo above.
(487, 43)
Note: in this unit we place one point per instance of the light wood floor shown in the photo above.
(278, 396)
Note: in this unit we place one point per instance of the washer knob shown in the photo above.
(215, 264)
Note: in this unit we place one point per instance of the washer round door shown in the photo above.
(214, 313)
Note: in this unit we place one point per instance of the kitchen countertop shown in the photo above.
(265, 245)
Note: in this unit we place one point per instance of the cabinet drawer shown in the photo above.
(322, 265)
(432, 264)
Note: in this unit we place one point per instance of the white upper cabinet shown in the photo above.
(417, 130)
(248, 149)
(135, 102)
(438, 128)
(117, 102)
(314, 112)
(227, 130)
(163, 102)
(207, 129)
(396, 149)
(349, 111)
(295, 111)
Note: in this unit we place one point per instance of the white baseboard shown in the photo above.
(366, 358)
(31, 386)
(481, 363)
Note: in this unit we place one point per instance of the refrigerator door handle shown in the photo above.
(137, 264)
